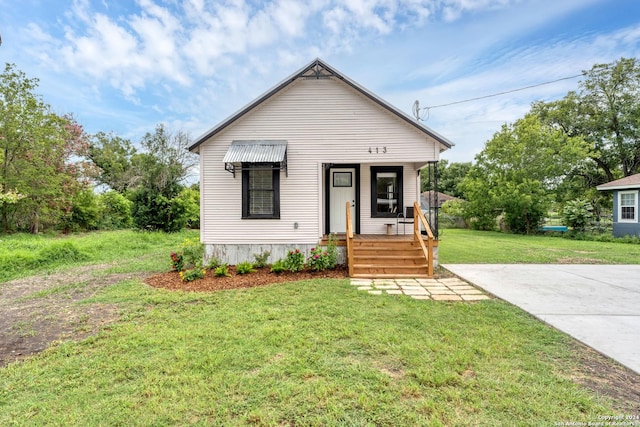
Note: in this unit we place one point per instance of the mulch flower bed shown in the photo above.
(260, 277)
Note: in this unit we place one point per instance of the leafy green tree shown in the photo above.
(516, 174)
(604, 112)
(449, 176)
(162, 169)
(577, 214)
(38, 155)
(112, 156)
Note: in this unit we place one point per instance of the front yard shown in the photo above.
(313, 352)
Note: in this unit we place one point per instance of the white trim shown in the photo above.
(617, 187)
(635, 206)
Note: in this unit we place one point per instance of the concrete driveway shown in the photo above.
(596, 304)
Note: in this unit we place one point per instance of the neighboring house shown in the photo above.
(277, 174)
(625, 204)
(428, 199)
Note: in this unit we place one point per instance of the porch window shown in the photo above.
(260, 191)
(386, 191)
(627, 206)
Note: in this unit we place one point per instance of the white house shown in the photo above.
(277, 174)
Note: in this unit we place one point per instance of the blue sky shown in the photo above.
(124, 66)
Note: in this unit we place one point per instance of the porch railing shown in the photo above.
(427, 249)
(349, 240)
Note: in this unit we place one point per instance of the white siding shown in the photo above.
(324, 121)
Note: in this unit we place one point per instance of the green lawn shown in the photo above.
(308, 353)
(482, 247)
(26, 254)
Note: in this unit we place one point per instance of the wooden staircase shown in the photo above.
(374, 258)
(392, 258)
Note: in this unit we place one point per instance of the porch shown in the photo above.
(390, 255)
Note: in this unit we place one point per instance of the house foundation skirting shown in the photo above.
(233, 254)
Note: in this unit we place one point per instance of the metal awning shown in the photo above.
(268, 151)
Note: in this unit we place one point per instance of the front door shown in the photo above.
(342, 189)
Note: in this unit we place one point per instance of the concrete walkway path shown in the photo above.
(596, 304)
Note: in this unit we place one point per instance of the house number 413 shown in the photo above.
(377, 150)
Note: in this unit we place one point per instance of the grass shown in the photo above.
(26, 254)
(458, 246)
(307, 353)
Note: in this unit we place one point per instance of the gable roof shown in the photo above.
(319, 69)
(628, 182)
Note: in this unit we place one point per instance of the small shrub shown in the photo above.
(261, 259)
(577, 214)
(222, 271)
(192, 274)
(213, 263)
(319, 259)
(332, 251)
(294, 261)
(177, 261)
(244, 268)
(278, 266)
(193, 252)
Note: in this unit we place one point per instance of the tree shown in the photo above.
(162, 170)
(112, 156)
(516, 174)
(38, 152)
(604, 112)
(449, 176)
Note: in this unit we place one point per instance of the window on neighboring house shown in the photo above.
(386, 191)
(261, 190)
(627, 206)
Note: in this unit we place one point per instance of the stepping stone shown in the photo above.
(365, 288)
(413, 292)
(446, 298)
(394, 292)
(441, 292)
(469, 292)
(420, 297)
(409, 287)
(426, 282)
(375, 292)
(474, 297)
(413, 282)
(361, 282)
(386, 286)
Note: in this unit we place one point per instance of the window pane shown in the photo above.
(387, 192)
(628, 213)
(260, 192)
(627, 199)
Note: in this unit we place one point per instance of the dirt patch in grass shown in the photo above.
(39, 310)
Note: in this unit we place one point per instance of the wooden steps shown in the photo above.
(388, 259)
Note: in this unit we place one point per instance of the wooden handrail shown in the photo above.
(418, 215)
(349, 240)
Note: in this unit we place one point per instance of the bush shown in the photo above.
(319, 260)
(213, 263)
(278, 266)
(84, 214)
(222, 271)
(244, 268)
(261, 259)
(294, 261)
(115, 211)
(193, 252)
(153, 212)
(177, 261)
(192, 274)
(577, 214)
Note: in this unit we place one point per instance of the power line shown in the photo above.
(416, 105)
